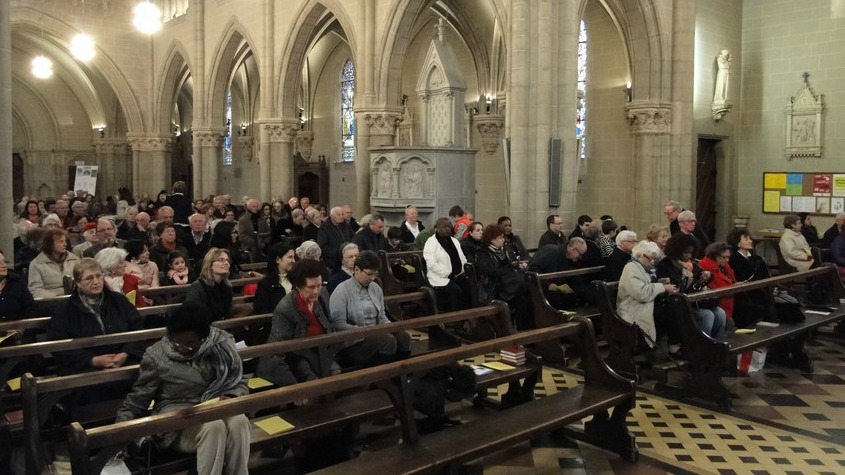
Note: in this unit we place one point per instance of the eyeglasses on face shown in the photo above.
(223, 260)
(187, 348)
(92, 278)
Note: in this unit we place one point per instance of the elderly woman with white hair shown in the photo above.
(639, 288)
(618, 259)
(311, 250)
(112, 261)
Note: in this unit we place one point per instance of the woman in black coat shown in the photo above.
(752, 306)
(15, 298)
(499, 277)
(213, 289)
(225, 236)
(275, 284)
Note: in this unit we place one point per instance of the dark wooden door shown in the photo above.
(705, 189)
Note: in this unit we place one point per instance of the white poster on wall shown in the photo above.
(86, 179)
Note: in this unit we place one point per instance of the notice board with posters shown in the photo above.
(816, 193)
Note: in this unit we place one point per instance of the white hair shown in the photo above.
(625, 235)
(649, 249)
(308, 250)
(110, 257)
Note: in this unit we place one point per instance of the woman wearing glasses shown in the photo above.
(92, 309)
(213, 289)
(194, 363)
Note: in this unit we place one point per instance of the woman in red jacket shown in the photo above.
(716, 258)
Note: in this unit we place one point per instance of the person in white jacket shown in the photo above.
(793, 245)
(445, 261)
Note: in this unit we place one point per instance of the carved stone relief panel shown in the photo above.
(804, 123)
(413, 178)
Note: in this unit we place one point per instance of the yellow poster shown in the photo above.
(771, 201)
(775, 181)
(838, 185)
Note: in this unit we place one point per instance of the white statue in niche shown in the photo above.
(723, 76)
(384, 180)
(412, 180)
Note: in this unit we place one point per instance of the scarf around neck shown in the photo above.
(218, 355)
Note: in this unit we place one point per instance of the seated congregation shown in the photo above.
(320, 311)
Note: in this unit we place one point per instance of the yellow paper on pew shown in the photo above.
(14, 384)
(209, 402)
(6, 336)
(274, 425)
(131, 296)
(745, 331)
(565, 288)
(257, 383)
(498, 366)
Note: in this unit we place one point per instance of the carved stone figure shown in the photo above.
(412, 180)
(384, 180)
(723, 76)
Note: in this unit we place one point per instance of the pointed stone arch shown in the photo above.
(177, 69)
(401, 20)
(234, 46)
(58, 30)
(645, 46)
(311, 20)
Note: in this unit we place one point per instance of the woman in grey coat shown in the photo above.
(194, 363)
(638, 289)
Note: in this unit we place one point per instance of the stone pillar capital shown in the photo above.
(304, 141)
(382, 121)
(283, 130)
(649, 118)
(490, 126)
(149, 143)
(110, 145)
(209, 137)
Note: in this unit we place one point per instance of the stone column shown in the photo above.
(651, 125)
(6, 198)
(150, 162)
(112, 155)
(380, 131)
(279, 174)
(210, 142)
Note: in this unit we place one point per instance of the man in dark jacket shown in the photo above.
(832, 231)
(555, 258)
(371, 238)
(197, 240)
(554, 232)
(180, 202)
(411, 227)
(334, 232)
(621, 255)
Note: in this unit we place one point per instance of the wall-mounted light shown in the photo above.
(101, 131)
(42, 68)
(628, 91)
(147, 18)
(489, 102)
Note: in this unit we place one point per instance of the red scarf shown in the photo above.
(314, 326)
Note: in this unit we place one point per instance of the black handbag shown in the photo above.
(787, 308)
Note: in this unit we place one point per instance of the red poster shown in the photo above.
(821, 184)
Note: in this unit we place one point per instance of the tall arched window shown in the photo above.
(581, 112)
(347, 116)
(227, 141)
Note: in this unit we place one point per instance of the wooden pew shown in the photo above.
(545, 315)
(712, 357)
(602, 390)
(621, 336)
(323, 341)
(390, 283)
(31, 426)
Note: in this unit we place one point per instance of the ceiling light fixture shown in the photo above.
(82, 47)
(147, 18)
(42, 68)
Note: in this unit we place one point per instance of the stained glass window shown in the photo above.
(581, 112)
(227, 143)
(347, 116)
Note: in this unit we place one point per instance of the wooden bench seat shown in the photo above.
(466, 442)
(545, 315)
(712, 357)
(621, 336)
(390, 283)
(398, 380)
(40, 394)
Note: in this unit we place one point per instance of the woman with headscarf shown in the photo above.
(192, 364)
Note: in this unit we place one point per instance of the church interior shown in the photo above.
(519, 108)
